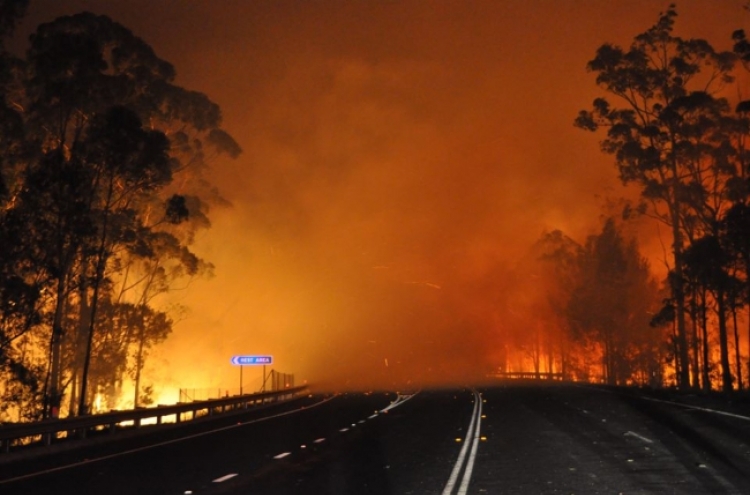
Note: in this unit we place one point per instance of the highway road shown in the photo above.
(501, 439)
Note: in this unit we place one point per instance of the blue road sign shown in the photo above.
(251, 360)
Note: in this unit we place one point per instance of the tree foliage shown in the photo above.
(103, 185)
(672, 132)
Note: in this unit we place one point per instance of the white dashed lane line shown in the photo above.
(639, 437)
(399, 401)
(225, 477)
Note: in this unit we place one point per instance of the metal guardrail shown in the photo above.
(49, 430)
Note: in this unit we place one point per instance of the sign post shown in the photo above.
(243, 361)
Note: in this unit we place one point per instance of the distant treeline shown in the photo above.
(102, 188)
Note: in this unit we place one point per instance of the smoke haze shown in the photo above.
(399, 159)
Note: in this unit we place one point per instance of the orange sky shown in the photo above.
(398, 157)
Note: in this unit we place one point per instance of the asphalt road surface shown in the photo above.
(513, 438)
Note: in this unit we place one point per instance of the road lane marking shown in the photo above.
(473, 455)
(697, 408)
(472, 437)
(319, 440)
(282, 455)
(639, 437)
(400, 399)
(225, 477)
(462, 454)
(680, 404)
(344, 430)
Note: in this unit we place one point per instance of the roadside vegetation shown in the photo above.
(103, 186)
(671, 118)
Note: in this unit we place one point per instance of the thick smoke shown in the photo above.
(399, 158)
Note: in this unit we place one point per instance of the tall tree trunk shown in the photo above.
(139, 365)
(737, 358)
(142, 338)
(704, 329)
(609, 377)
(683, 379)
(694, 340)
(55, 393)
(73, 393)
(537, 350)
(80, 346)
(678, 284)
(675, 351)
(726, 370)
(563, 357)
(101, 261)
(550, 354)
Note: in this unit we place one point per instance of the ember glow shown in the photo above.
(400, 160)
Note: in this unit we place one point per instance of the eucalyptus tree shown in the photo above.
(736, 222)
(659, 82)
(126, 331)
(128, 161)
(736, 227)
(706, 262)
(100, 106)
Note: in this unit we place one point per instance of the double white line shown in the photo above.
(472, 438)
